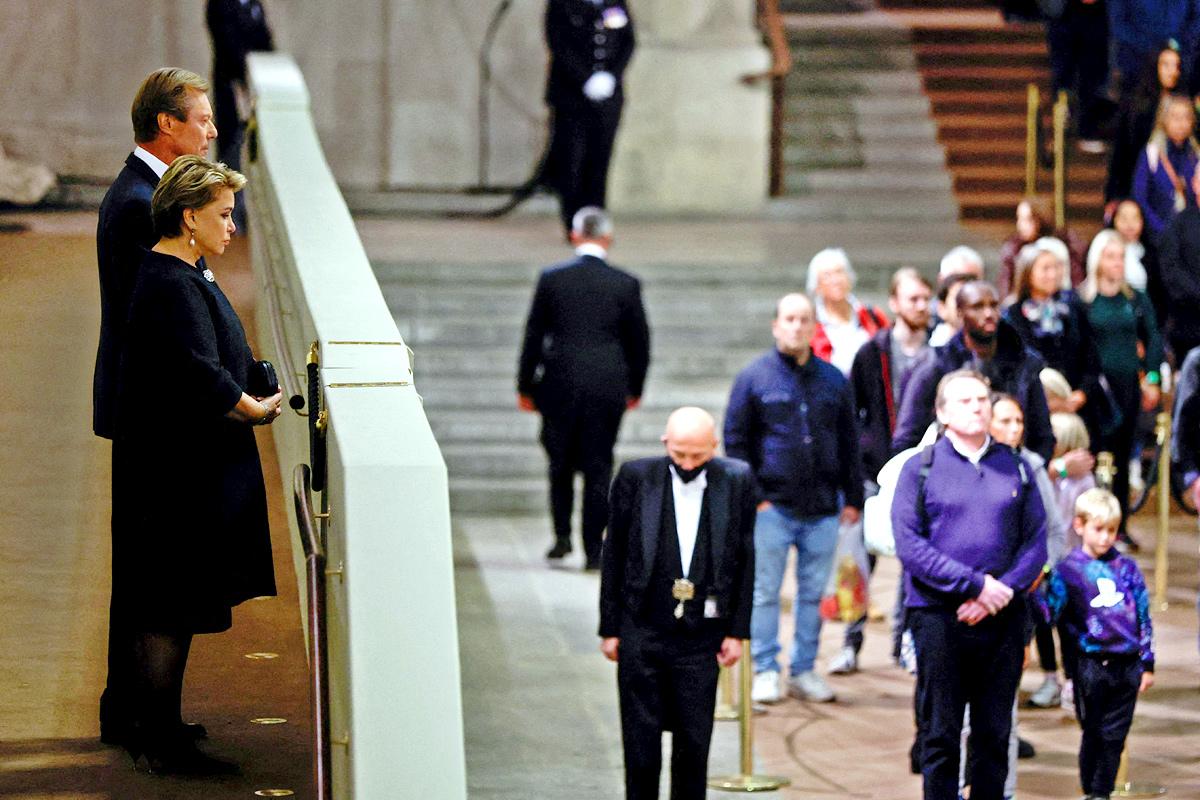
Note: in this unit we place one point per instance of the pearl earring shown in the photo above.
(192, 241)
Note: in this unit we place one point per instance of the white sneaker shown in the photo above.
(811, 687)
(766, 687)
(1048, 695)
(844, 663)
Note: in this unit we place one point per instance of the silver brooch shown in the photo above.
(208, 276)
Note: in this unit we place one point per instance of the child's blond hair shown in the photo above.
(1054, 384)
(1069, 433)
(1098, 504)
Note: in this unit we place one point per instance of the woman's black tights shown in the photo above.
(163, 657)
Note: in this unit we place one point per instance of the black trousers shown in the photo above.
(118, 702)
(666, 682)
(581, 146)
(581, 440)
(1106, 691)
(1078, 46)
(959, 664)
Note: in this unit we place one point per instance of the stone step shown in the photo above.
(852, 83)
(423, 277)
(896, 179)
(870, 56)
(521, 461)
(848, 205)
(486, 333)
(665, 364)
(452, 392)
(501, 426)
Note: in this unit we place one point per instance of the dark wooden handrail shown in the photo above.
(770, 22)
(314, 560)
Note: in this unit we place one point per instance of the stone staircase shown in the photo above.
(857, 126)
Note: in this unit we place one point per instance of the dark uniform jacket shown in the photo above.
(585, 38)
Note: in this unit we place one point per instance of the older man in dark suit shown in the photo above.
(590, 42)
(171, 118)
(582, 365)
(676, 593)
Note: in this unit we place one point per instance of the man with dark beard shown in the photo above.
(992, 347)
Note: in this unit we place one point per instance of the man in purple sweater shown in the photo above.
(970, 531)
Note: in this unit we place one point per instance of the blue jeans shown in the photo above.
(815, 541)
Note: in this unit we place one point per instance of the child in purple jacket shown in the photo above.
(1101, 598)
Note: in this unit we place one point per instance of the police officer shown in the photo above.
(590, 44)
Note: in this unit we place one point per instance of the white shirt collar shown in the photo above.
(689, 499)
(592, 249)
(152, 161)
(973, 457)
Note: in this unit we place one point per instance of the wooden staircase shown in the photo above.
(975, 69)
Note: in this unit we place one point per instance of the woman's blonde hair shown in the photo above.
(1069, 433)
(1054, 384)
(1091, 287)
(1158, 139)
(190, 182)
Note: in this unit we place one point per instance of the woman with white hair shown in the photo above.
(843, 323)
(1126, 334)
(1050, 317)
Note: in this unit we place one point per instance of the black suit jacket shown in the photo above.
(581, 44)
(237, 28)
(587, 344)
(635, 525)
(123, 237)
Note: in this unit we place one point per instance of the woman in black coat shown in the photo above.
(190, 533)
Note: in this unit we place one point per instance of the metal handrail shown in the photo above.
(770, 22)
(314, 560)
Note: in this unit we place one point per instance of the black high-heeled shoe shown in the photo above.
(182, 757)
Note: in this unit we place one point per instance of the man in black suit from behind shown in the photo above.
(676, 592)
(171, 117)
(590, 43)
(583, 364)
(238, 28)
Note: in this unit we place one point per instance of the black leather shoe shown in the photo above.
(561, 548)
(592, 565)
(1025, 748)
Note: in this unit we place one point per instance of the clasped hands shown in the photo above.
(995, 596)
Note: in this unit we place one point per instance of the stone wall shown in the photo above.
(395, 86)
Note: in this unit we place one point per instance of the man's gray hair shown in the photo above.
(959, 260)
(591, 222)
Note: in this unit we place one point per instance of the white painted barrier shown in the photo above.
(395, 698)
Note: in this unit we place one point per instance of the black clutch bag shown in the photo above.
(262, 382)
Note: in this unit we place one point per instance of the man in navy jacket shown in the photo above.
(171, 118)
(970, 531)
(583, 364)
(791, 417)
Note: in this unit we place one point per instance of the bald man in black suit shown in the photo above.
(676, 592)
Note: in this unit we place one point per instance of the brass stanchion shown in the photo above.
(1106, 471)
(725, 709)
(1031, 139)
(1125, 788)
(1162, 430)
(1060, 160)
(747, 781)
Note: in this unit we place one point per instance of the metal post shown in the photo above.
(1031, 139)
(747, 781)
(725, 709)
(1125, 788)
(1163, 432)
(1060, 160)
